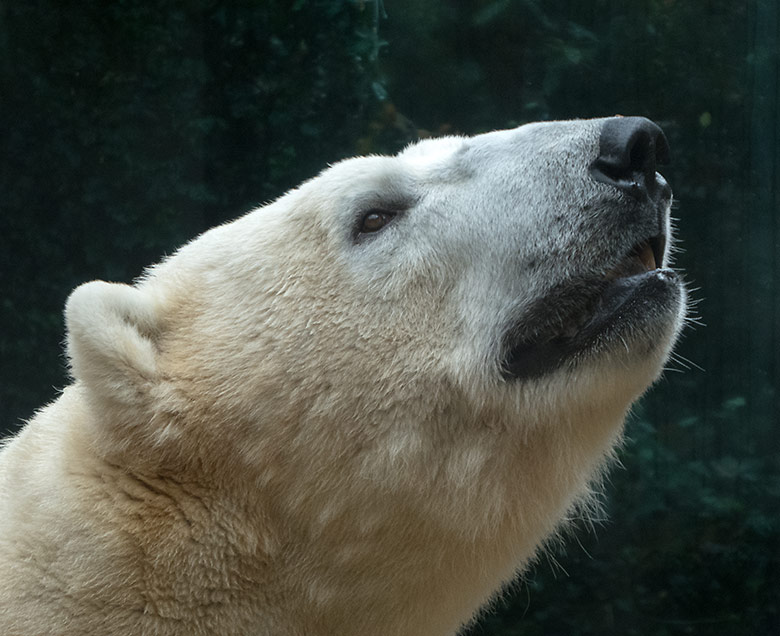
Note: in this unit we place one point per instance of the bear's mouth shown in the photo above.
(592, 311)
(643, 257)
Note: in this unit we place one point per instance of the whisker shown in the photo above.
(688, 364)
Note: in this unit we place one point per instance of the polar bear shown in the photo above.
(360, 409)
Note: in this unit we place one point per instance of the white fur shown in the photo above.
(281, 430)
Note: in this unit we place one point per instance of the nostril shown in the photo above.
(629, 149)
(641, 157)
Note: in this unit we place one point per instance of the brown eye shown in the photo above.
(374, 221)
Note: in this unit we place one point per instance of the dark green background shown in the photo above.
(127, 127)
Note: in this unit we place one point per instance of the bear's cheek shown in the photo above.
(296, 338)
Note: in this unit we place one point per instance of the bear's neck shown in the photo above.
(396, 541)
(418, 547)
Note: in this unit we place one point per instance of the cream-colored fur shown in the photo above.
(286, 429)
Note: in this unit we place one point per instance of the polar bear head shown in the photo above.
(408, 368)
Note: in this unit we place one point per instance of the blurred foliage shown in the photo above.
(131, 126)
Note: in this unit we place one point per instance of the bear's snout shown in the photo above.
(630, 148)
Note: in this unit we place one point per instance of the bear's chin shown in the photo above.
(627, 316)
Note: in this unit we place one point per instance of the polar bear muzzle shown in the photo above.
(631, 307)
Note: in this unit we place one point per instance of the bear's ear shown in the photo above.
(112, 330)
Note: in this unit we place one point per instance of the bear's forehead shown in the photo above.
(432, 152)
(430, 159)
(445, 154)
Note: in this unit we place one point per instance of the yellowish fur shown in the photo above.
(275, 432)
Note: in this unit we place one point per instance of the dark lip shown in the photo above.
(639, 289)
(597, 306)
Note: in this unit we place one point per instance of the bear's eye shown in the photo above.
(374, 220)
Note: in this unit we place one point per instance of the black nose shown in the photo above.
(629, 149)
